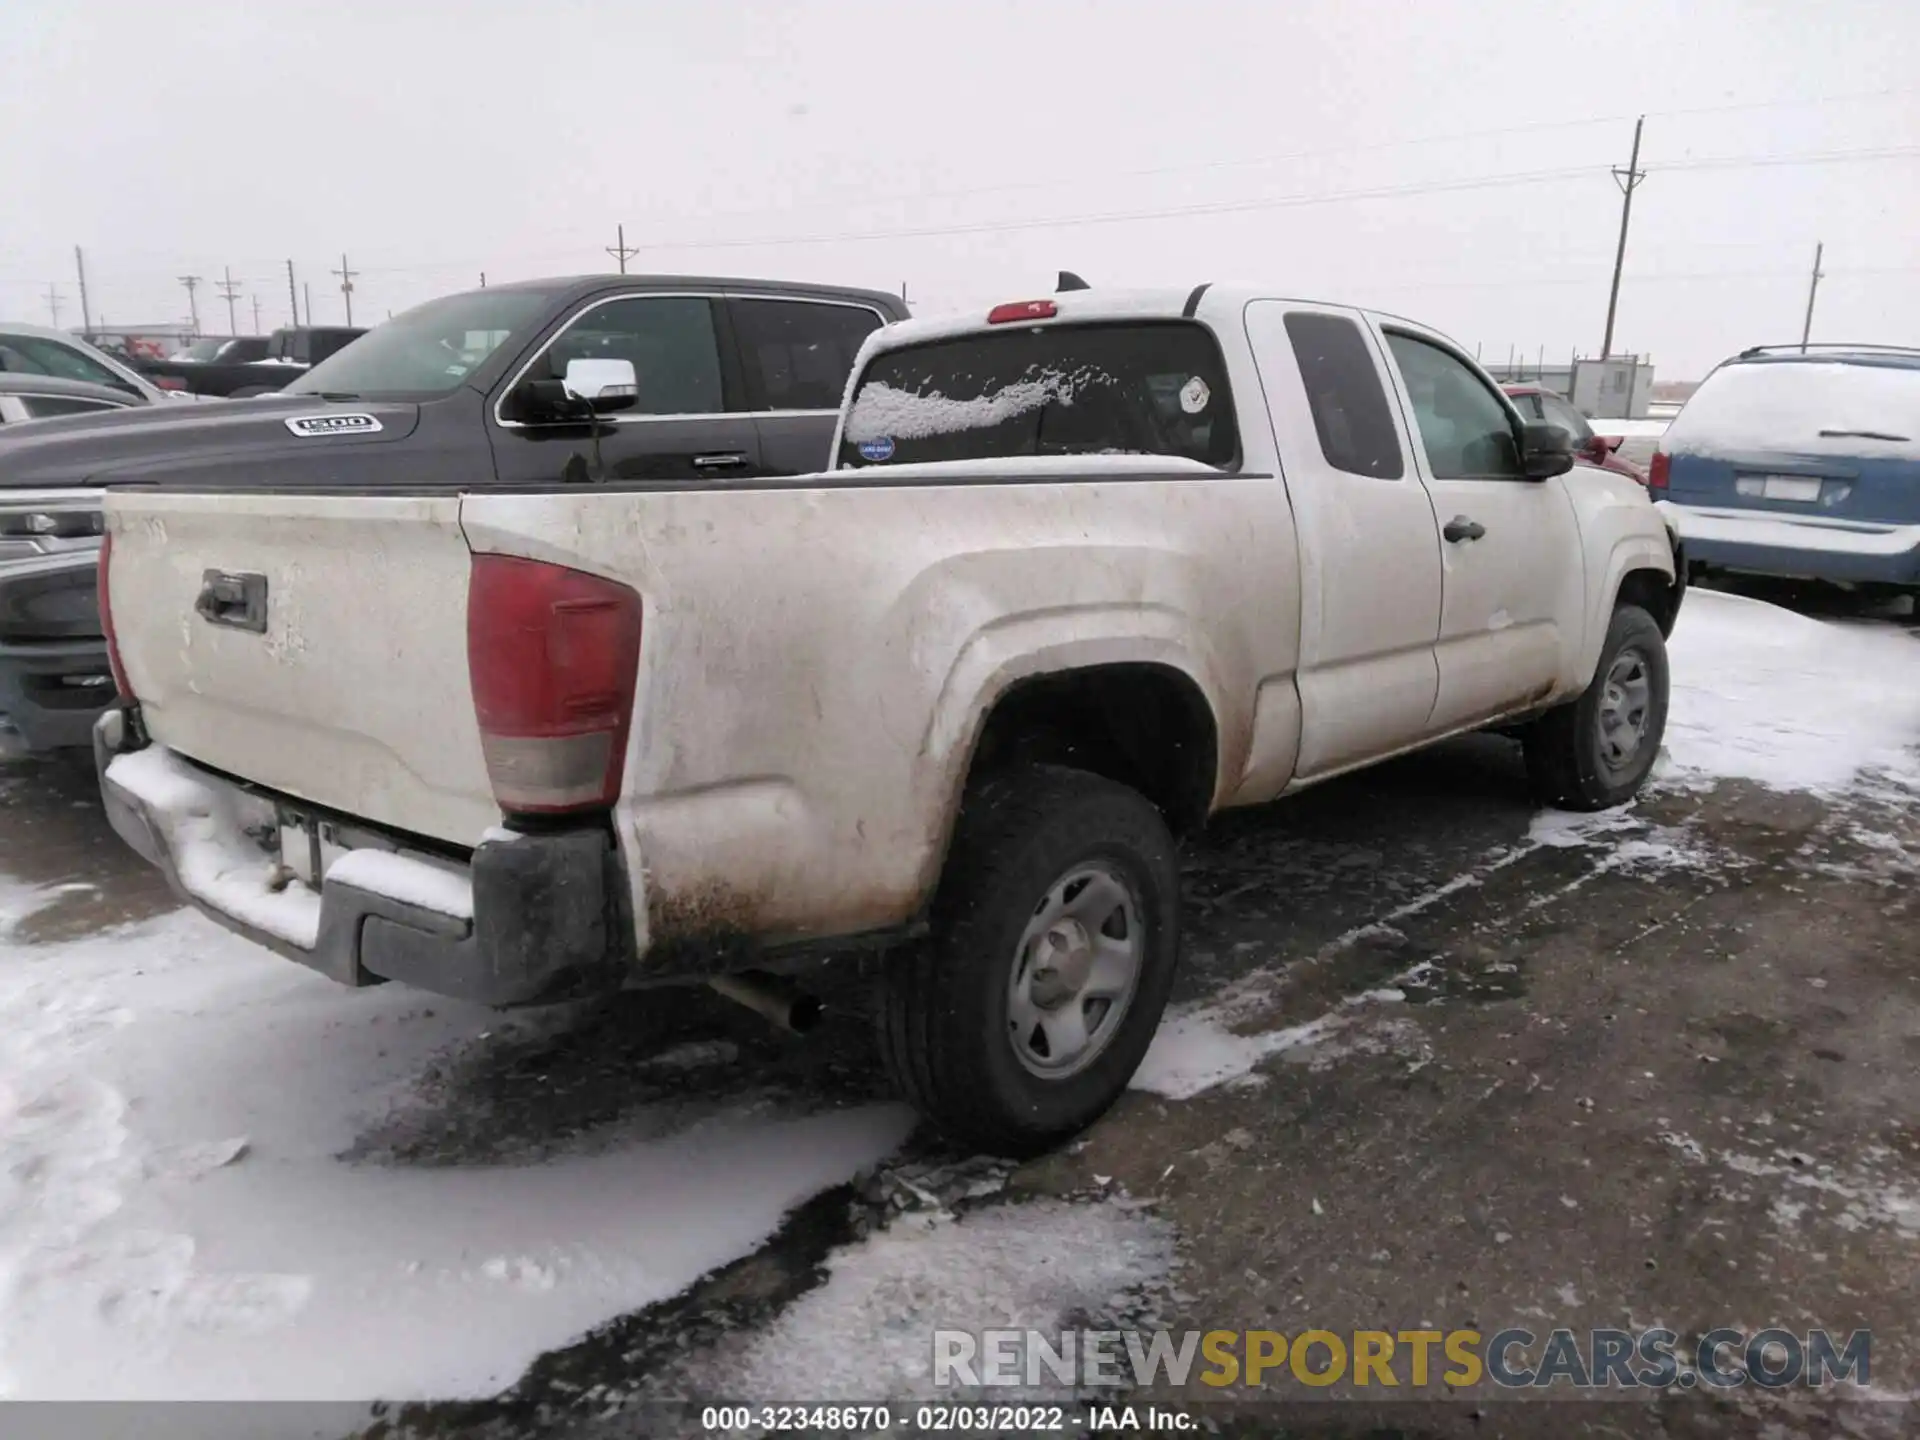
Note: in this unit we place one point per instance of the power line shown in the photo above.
(231, 291)
(1628, 180)
(619, 249)
(346, 275)
(86, 314)
(1276, 202)
(192, 282)
(1813, 288)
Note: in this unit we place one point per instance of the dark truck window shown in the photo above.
(427, 350)
(45, 407)
(800, 352)
(670, 340)
(1125, 388)
(1349, 404)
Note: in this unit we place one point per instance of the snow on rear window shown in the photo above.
(1785, 406)
(1156, 388)
(881, 411)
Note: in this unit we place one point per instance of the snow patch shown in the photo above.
(882, 411)
(1194, 1052)
(866, 1334)
(1763, 694)
(176, 1220)
(204, 827)
(439, 888)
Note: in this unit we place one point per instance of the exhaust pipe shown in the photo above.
(779, 1001)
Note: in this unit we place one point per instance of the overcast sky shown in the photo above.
(1444, 159)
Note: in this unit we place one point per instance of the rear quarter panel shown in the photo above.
(816, 663)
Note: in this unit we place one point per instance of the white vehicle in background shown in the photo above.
(36, 350)
(1089, 569)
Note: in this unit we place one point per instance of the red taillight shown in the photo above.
(120, 684)
(553, 655)
(1022, 310)
(168, 382)
(1657, 473)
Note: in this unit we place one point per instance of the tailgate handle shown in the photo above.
(238, 601)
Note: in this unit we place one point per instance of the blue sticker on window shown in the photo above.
(880, 449)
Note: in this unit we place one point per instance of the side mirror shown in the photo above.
(1545, 451)
(606, 385)
(591, 387)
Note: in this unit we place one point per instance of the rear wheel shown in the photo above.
(1595, 751)
(1055, 937)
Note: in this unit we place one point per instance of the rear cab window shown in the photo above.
(1104, 388)
(1351, 415)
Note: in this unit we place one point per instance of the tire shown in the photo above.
(1578, 757)
(965, 1020)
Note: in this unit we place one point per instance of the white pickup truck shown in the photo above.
(1088, 569)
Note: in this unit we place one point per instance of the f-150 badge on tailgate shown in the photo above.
(332, 424)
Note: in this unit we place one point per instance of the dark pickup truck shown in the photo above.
(580, 380)
(248, 366)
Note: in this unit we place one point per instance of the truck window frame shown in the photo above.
(732, 391)
(750, 380)
(1391, 330)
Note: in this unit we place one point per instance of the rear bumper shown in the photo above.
(1763, 543)
(528, 919)
(52, 693)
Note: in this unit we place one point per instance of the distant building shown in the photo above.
(1617, 388)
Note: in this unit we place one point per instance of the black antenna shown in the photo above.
(1070, 281)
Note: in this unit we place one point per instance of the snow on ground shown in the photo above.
(175, 1220)
(867, 1334)
(1759, 693)
(1763, 694)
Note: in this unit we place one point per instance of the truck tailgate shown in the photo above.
(344, 683)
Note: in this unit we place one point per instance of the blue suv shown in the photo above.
(1802, 463)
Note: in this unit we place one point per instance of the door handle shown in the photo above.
(238, 601)
(733, 460)
(1461, 528)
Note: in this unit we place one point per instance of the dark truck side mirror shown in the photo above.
(1545, 451)
(592, 387)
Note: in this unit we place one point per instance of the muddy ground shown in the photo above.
(1665, 1076)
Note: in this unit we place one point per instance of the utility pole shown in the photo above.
(1813, 286)
(53, 304)
(256, 314)
(231, 292)
(619, 249)
(86, 315)
(306, 290)
(346, 288)
(483, 279)
(192, 282)
(1628, 180)
(293, 296)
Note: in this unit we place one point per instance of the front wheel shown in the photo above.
(1595, 751)
(1055, 935)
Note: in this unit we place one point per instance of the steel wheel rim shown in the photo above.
(1626, 704)
(1075, 971)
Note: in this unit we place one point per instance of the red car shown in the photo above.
(1536, 403)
